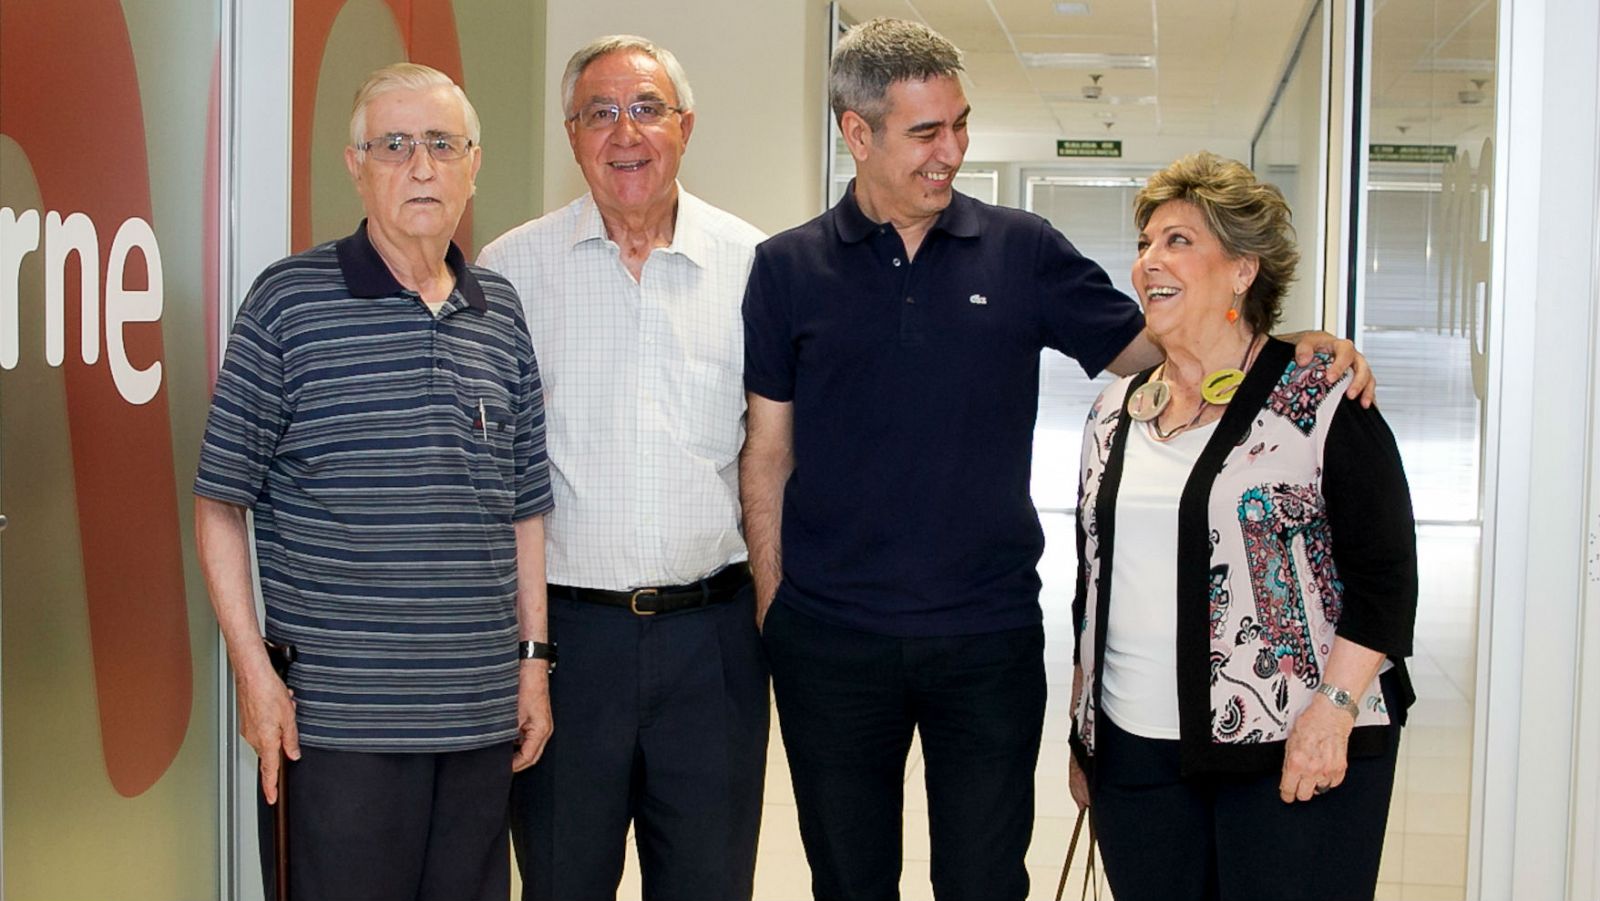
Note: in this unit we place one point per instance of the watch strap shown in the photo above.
(537, 650)
(1341, 698)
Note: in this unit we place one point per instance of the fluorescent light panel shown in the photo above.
(1089, 60)
(1446, 64)
(1071, 97)
(1072, 9)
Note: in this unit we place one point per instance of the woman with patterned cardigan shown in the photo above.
(1247, 579)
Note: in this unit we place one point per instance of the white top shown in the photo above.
(644, 391)
(1140, 688)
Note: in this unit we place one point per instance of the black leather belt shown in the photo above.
(717, 588)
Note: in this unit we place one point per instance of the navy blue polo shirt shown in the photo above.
(385, 453)
(915, 386)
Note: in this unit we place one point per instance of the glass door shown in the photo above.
(108, 666)
(1419, 310)
(1096, 215)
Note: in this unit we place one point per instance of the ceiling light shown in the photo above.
(1067, 97)
(1072, 9)
(1089, 60)
(1459, 65)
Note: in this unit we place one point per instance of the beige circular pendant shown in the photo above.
(1219, 386)
(1149, 399)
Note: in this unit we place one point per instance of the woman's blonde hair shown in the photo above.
(1248, 216)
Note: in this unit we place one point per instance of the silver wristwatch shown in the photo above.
(1341, 699)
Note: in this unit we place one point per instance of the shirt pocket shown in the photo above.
(494, 466)
(709, 419)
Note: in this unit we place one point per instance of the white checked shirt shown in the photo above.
(644, 391)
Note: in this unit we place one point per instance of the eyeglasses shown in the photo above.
(397, 148)
(644, 113)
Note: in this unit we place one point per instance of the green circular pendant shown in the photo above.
(1219, 386)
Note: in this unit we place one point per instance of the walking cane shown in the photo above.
(281, 656)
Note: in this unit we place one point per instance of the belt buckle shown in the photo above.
(633, 601)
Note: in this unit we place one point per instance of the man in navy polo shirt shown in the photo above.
(892, 368)
(379, 413)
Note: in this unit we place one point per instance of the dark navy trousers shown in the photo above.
(660, 721)
(386, 827)
(1166, 837)
(848, 703)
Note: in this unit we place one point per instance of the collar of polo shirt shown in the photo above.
(367, 275)
(958, 219)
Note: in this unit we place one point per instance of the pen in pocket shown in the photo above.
(483, 420)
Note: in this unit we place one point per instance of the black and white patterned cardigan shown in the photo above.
(1294, 526)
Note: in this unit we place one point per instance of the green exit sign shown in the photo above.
(1411, 153)
(1103, 149)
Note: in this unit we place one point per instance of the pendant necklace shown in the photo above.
(1151, 399)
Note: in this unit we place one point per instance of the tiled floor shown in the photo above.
(1425, 850)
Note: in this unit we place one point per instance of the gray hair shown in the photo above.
(876, 54)
(623, 43)
(407, 77)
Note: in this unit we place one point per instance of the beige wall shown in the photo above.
(502, 44)
(757, 68)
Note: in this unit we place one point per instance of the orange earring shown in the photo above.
(1233, 315)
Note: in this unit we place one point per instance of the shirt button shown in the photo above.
(897, 261)
(438, 364)
(911, 300)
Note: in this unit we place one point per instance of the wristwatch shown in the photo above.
(537, 650)
(1341, 699)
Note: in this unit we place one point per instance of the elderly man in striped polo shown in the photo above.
(379, 412)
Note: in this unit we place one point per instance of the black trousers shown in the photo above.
(1164, 837)
(848, 703)
(393, 827)
(661, 720)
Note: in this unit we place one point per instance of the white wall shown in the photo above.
(757, 68)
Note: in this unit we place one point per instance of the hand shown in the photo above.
(762, 607)
(1315, 754)
(534, 723)
(1345, 356)
(266, 721)
(1077, 782)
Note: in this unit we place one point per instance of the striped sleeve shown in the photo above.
(248, 415)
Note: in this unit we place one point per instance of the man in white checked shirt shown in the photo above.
(632, 294)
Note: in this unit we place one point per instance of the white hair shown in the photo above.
(623, 43)
(407, 77)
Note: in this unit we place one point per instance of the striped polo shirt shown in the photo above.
(385, 453)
